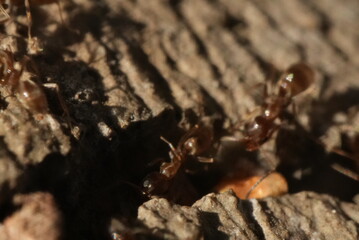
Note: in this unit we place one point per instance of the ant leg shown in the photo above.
(61, 100)
(173, 150)
(205, 160)
(265, 91)
(33, 45)
(29, 19)
(257, 183)
(4, 16)
(347, 172)
(294, 109)
(155, 161)
(168, 143)
(340, 152)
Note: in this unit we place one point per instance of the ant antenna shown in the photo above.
(257, 183)
(132, 185)
(4, 16)
(173, 150)
(121, 182)
(168, 143)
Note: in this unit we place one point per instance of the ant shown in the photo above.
(195, 142)
(295, 80)
(29, 91)
(33, 43)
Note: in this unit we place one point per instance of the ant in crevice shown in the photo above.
(295, 80)
(298, 78)
(263, 124)
(192, 144)
(34, 46)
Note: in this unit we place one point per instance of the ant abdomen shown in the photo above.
(33, 96)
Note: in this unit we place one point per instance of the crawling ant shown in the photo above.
(33, 43)
(30, 92)
(194, 143)
(295, 80)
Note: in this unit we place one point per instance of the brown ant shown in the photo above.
(29, 92)
(194, 143)
(33, 43)
(295, 80)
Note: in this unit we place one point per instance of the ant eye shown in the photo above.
(148, 185)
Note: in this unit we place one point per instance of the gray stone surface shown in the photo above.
(304, 215)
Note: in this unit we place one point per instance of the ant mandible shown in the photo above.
(194, 143)
(296, 79)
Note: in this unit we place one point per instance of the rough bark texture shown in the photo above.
(303, 215)
(131, 71)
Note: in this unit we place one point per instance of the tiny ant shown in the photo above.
(33, 43)
(295, 80)
(194, 143)
(29, 91)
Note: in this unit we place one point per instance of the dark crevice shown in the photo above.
(210, 224)
(5, 151)
(246, 207)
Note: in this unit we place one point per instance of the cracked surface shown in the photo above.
(224, 216)
(132, 71)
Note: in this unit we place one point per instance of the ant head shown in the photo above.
(296, 79)
(198, 142)
(155, 184)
